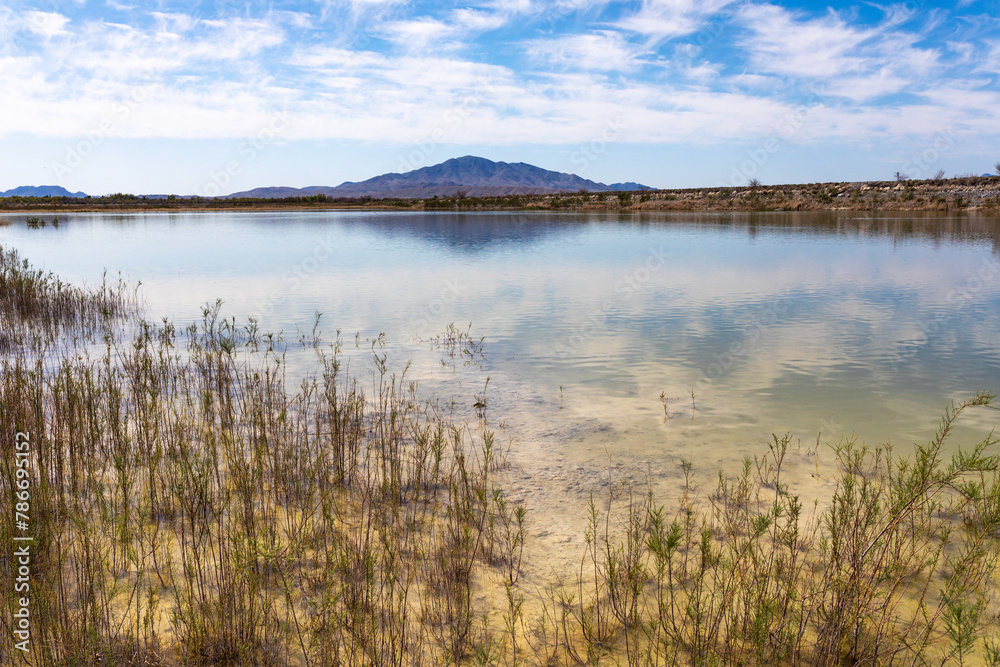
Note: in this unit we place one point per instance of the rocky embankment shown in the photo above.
(936, 195)
(965, 194)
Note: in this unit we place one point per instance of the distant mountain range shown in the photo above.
(472, 176)
(41, 191)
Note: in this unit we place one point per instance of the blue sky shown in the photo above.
(213, 97)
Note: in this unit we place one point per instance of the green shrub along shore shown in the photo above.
(187, 506)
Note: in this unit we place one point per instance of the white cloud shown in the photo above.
(601, 51)
(116, 52)
(850, 62)
(667, 19)
(322, 57)
(964, 50)
(45, 24)
(991, 63)
(703, 72)
(173, 23)
(817, 48)
(417, 34)
(478, 20)
(220, 77)
(511, 6)
(235, 39)
(828, 48)
(867, 87)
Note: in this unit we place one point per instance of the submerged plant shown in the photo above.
(459, 346)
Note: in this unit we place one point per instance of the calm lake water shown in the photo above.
(815, 324)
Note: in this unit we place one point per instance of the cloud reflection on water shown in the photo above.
(778, 321)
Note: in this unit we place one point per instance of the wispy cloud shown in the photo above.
(540, 71)
(599, 51)
(860, 63)
(45, 24)
(418, 34)
(479, 20)
(780, 43)
(665, 19)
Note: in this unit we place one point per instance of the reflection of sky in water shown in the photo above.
(779, 322)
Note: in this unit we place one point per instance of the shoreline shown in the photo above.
(946, 195)
(218, 500)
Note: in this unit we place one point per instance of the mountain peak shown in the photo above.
(472, 175)
(42, 191)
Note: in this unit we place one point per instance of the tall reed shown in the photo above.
(189, 507)
(900, 569)
(193, 505)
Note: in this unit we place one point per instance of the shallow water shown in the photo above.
(821, 325)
